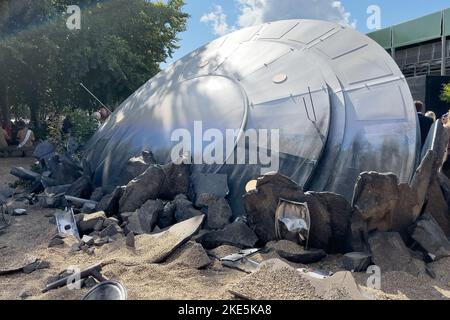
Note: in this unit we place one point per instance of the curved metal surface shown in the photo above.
(339, 101)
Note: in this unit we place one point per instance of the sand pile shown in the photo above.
(275, 280)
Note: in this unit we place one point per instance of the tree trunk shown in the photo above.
(35, 109)
(5, 110)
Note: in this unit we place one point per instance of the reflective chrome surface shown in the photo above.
(340, 102)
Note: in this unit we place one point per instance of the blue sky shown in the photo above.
(200, 32)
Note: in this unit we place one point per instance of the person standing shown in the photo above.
(425, 122)
(25, 136)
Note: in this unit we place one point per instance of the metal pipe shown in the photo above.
(88, 91)
(444, 47)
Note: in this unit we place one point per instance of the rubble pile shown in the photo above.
(166, 213)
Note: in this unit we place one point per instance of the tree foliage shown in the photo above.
(120, 45)
(445, 94)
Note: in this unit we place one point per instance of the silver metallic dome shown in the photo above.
(340, 102)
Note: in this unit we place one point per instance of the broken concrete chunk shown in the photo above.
(167, 216)
(37, 265)
(110, 203)
(218, 210)
(25, 174)
(155, 248)
(261, 204)
(431, 237)
(184, 209)
(145, 187)
(16, 264)
(421, 181)
(88, 240)
(130, 241)
(331, 217)
(149, 213)
(97, 194)
(55, 242)
(81, 188)
(359, 234)
(137, 166)
(176, 180)
(376, 196)
(209, 183)
(88, 207)
(109, 231)
(43, 149)
(390, 253)
(90, 221)
(235, 234)
(145, 218)
(100, 242)
(295, 253)
(357, 261)
(437, 206)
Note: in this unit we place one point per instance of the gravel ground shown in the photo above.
(29, 236)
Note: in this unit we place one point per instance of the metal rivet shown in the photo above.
(280, 78)
(203, 64)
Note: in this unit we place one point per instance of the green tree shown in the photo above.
(445, 94)
(120, 46)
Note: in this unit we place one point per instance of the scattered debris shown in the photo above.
(144, 219)
(145, 187)
(184, 209)
(56, 242)
(66, 224)
(218, 211)
(108, 290)
(24, 294)
(241, 261)
(17, 264)
(292, 221)
(91, 222)
(236, 234)
(19, 212)
(155, 248)
(357, 261)
(295, 253)
(36, 265)
(64, 278)
(110, 203)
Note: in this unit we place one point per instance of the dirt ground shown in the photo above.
(29, 235)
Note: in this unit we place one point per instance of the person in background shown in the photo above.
(7, 126)
(67, 126)
(104, 113)
(4, 138)
(25, 136)
(432, 115)
(424, 122)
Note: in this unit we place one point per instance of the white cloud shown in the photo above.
(218, 20)
(254, 12)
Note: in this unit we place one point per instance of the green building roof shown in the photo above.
(413, 32)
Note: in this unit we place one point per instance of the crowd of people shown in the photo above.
(16, 134)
